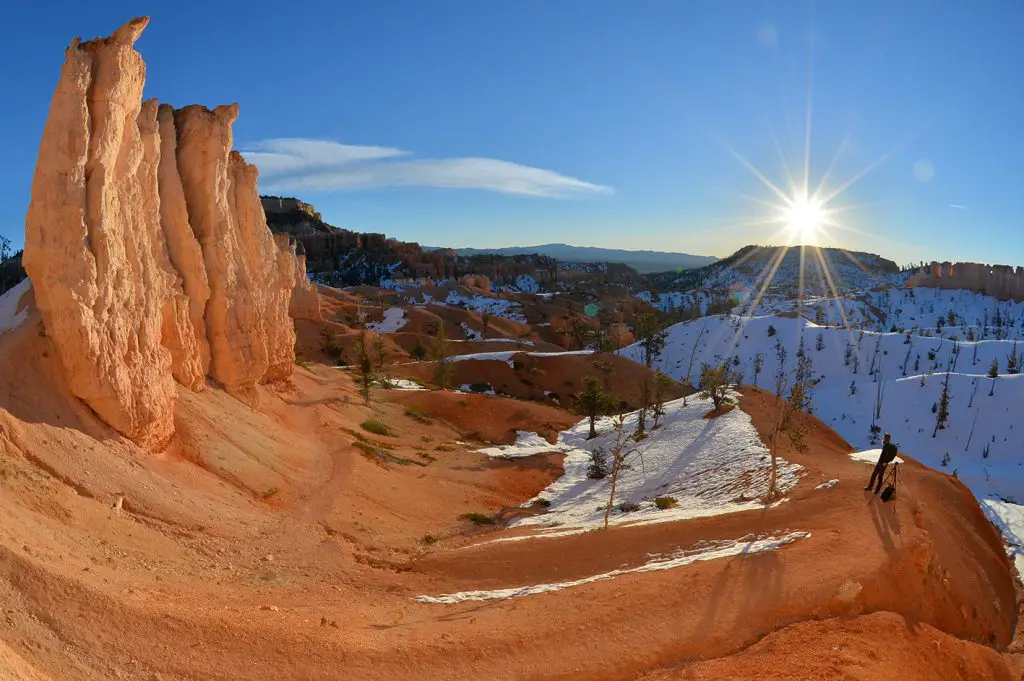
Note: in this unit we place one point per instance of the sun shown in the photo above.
(804, 219)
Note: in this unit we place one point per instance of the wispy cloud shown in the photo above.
(294, 165)
(956, 205)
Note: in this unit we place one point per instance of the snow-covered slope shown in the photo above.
(707, 466)
(893, 380)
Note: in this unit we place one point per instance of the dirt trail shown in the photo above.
(290, 543)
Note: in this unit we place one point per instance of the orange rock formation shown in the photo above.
(148, 248)
(1002, 281)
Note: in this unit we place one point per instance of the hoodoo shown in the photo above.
(148, 248)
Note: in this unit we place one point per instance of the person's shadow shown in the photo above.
(886, 520)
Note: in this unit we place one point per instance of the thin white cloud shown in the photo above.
(295, 165)
(956, 205)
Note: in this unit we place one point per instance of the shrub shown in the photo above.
(443, 447)
(420, 352)
(628, 507)
(417, 415)
(665, 502)
(544, 503)
(376, 427)
(478, 518)
(429, 539)
(598, 467)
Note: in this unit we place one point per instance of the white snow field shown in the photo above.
(709, 466)
(678, 558)
(896, 377)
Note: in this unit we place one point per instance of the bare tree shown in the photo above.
(620, 454)
(693, 353)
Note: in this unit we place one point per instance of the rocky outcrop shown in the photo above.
(1000, 281)
(90, 239)
(148, 248)
(305, 302)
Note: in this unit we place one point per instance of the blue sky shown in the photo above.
(596, 123)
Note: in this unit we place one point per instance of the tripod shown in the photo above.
(890, 483)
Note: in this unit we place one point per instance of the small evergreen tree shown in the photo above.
(758, 365)
(419, 352)
(661, 385)
(819, 316)
(485, 320)
(771, 330)
(800, 391)
(819, 342)
(942, 414)
(651, 335)
(853, 388)
(714, 384)
(593, 402)
(993, 370)
(848, 354)
(364, 368)
(645, 401)
(444, 370)
(1012, 362)
(381, 351)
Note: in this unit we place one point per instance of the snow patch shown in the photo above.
(678, 558)
(527, 444)
(871, 456)
(828, 485)
(394, 319)
(10, 318)
(402, 384)
(711, 467)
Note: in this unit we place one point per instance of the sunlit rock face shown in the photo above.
(148, 248)
(1001, 281)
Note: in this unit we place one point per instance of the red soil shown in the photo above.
(267, 545)
(555, 379)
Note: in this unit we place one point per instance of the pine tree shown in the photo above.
(381, 351)
(800, 391)
(593, 402)
(1012, 363)
(444, 370)
(853, 388)
(993, 371)
(714, 384)
(819, 316)
(819, 342)
(942, 414)
(485, 320)
(661, 385)
(780, 372)
(651, 335)
(771, 330)
(758, 365)
(645, 401)
(364, 368)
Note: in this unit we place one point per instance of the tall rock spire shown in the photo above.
(148, 248)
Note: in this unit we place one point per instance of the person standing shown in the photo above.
(884, 459)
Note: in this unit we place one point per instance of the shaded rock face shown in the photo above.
(147, 246)
(1000, 281)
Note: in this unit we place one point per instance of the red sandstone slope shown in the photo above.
(235, 550)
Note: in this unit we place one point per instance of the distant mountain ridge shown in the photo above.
(641, 261)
